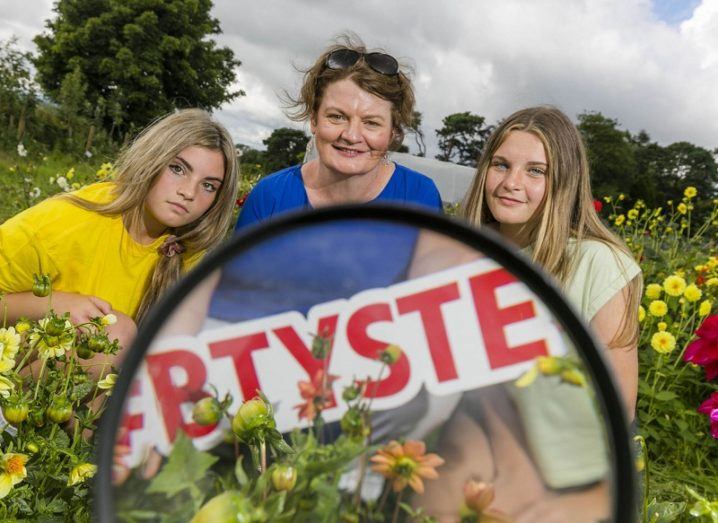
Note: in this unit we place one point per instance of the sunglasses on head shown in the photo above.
(380, 62)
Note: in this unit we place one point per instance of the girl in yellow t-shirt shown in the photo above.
(532, 185)
(115, 247)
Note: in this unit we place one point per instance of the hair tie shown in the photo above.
(171, 246)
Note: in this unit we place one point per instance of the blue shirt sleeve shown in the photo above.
(431, 196)
(251, 210)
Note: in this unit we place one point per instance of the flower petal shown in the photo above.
(417, 484)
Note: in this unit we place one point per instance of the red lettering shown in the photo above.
(428, 305)
(240, 350)
(492, 320)
(327, 327)
(129, 421)
(171, 397)
(362, 344)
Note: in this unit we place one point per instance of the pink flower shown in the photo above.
(703, 351)
(710, 408)
(598, 205)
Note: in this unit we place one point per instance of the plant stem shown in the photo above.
(362, 471)
(397, 507)
(39, 378)
(384, 496)
(263, 456)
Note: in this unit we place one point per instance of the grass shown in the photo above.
(20, 178)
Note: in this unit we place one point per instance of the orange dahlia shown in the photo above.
(406, 464)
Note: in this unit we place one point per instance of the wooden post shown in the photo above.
(90, 136)
(21, 124)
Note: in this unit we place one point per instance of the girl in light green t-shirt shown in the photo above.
(532, 186)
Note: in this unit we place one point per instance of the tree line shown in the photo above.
(620, 162)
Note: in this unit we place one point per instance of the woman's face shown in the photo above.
(352, 129)
(184, 190)
(516, 181)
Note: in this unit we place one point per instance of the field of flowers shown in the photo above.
(45, 463)
(678, 352)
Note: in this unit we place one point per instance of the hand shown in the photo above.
(586, 506)
(82, 308)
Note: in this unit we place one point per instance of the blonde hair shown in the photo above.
(396, 89)
(137, 168)
(568, 187)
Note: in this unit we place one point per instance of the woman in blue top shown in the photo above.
(357, 104)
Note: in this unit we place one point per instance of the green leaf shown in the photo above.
(276, 441)
(239, 472)
(81, 390)
(185, 467)
(665, 395)
(665, 511)
(61, 439)
(274, 505)
(58, 506)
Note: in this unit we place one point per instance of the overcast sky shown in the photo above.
(650, 64)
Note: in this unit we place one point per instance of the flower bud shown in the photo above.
(55, 326)
(548, 365)
(284, 477)
(84, 351)
(41, 285)
(391, 354)
(478, 495)
(16, 412)
(253, 416)
(32, 447)
(574, 377)
(207, 411)
(59, 411)
(108, 319)
(97, 342)
(223, 508)
(80, 473)
(353, 424)
(22, 326)
(350, 393)
(320, 347)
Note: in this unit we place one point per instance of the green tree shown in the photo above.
(138, 59)
(285, 147)
(251, 162)
(18, 92)
(687, 164)
(649, 158)
(462, 138)
(415, 129)
(610, 154)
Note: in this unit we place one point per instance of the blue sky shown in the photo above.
(674, 11)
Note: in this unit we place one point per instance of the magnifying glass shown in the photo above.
(362, 363)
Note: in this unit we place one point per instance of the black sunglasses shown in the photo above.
(379, 62)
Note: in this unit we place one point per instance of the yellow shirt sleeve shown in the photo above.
(21, 253)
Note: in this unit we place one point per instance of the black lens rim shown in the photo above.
(624, 493)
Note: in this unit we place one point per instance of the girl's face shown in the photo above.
(516, 183)
(184, 190)
(352, 128)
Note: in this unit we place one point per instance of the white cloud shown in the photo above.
(491, 58)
